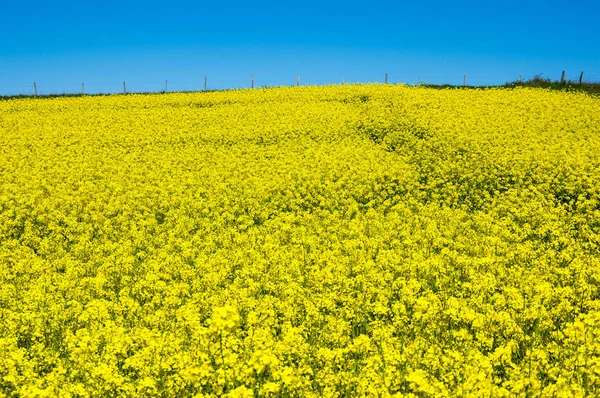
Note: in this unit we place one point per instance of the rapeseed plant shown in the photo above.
(356, 240)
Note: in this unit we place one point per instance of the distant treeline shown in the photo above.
(568, 85)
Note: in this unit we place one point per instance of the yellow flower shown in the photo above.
(356, 240)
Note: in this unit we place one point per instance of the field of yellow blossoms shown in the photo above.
(358, 240)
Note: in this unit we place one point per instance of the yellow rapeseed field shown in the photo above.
(359, 240)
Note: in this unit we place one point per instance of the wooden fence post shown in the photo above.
(124, 88)
(465, 80)
(581, 78)
(563, 78)
(35, 89)
(386, 78)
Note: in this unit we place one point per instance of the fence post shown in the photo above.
(298, 84)
(465, 80)
(581, 77)
(35, 88)
(563, 79)
(82, 90)
(252, 81)
(386, 78)
(124, 88)
(204, 83)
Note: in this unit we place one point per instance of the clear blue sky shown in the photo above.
(60, 44)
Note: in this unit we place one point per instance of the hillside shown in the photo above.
(314, 241)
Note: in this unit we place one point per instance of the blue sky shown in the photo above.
(60, 44)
